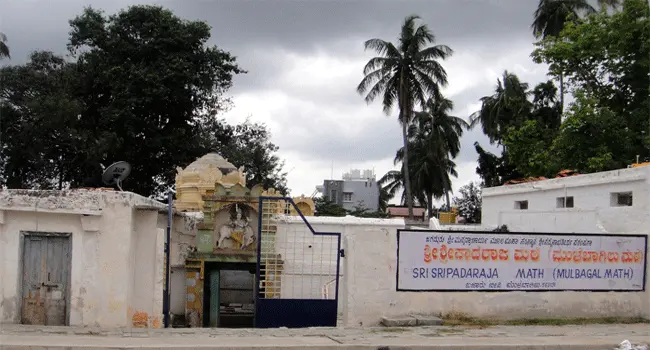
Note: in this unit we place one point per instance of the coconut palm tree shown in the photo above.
(4, 49)
(434, 139)
(407, 74)
(446, 133)
(391, 183)
(505, 107)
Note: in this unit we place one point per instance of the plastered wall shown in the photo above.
(370, 293)
(593, 211)
(116, 259)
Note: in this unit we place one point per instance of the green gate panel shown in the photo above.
(214, 298)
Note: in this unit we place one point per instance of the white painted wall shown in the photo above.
(592, 212)
(116, 252)
(183, 236)
(310, 272)
(370, 290)
(309, 269)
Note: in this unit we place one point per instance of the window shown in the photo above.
(564, 202)
(333, 196)
(621, 199)
(521, 205)
(347, 196)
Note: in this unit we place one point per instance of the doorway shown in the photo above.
(46, 264)
(230, 295)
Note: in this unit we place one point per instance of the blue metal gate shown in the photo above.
(297, 279)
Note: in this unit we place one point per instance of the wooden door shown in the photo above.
(46, 273)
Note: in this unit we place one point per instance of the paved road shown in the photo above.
(592, 337)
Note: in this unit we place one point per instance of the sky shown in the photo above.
(305, 58)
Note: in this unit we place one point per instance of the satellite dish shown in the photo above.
(116, 173)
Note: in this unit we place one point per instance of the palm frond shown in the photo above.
(4, 49)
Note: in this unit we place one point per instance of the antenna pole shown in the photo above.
(118, 182)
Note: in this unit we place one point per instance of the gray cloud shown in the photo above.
(299, 26)
(328, 121)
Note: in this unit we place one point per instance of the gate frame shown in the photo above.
(24, 234)
(339, 254)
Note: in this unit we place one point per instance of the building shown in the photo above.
(606, 202)
(81, 258)
(96, 257)
(217, 264)
(354, 189)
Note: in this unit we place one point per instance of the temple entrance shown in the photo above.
(229, 296)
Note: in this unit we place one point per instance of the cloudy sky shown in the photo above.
(305, 59)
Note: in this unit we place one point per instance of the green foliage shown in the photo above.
(148, 78)
(593, 138)
(4, 49)
(552, 16)
(434, 140)
(507, 107)
(361, 211)
(41, 144)
(325, 207)
(248, 145)
(525, 122)
(143, 86)
(469, 203)
(489, 167)
(604, 60)
(607, 57)
(528, 149)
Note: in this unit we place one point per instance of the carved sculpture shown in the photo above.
(240, 224)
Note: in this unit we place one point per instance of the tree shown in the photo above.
(406, 74)
(606, 57)
(144, 88)
(528, 145)
(4, 49)
(384, 198)
(40, 114)
(391, 183)
(361, 211)
(593, 138)
(488, 167)
(551, 17)
(249, 145)
(525, 122)
(469, 203)
(149, 79)
(507, 107)
(325, 207)
(434, 139)
(528, 149)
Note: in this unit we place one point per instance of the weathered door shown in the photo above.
(46, 270)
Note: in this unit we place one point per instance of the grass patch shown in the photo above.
(462, 319)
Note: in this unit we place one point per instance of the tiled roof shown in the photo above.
(563, 173)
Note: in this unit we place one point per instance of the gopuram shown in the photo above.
(220, 271)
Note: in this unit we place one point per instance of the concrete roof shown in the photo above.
(79, 201)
